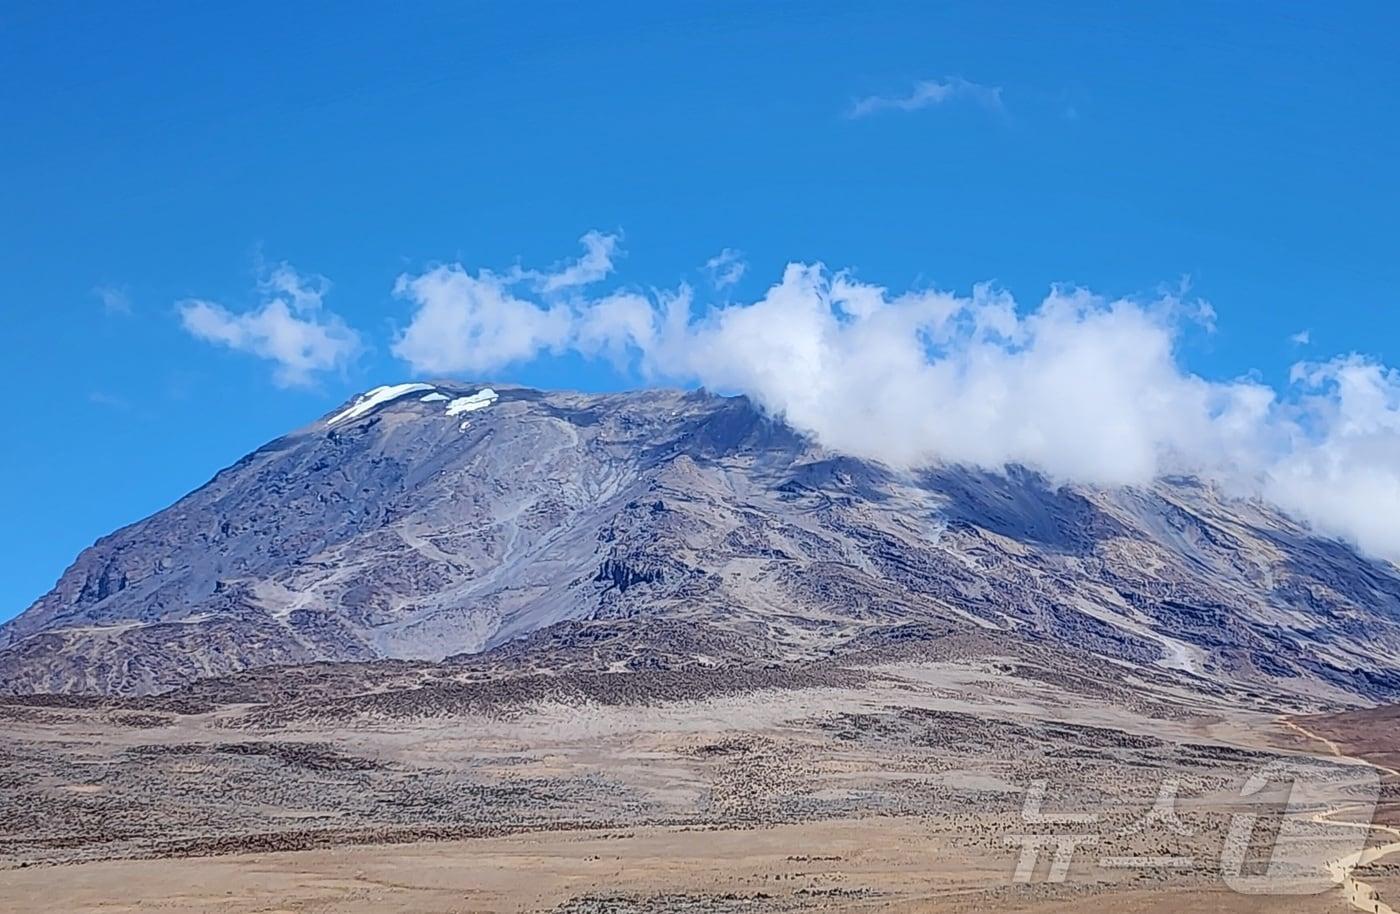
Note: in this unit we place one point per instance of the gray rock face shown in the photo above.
(434, 522)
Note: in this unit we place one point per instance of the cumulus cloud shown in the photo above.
(599, 249)
(615, 326)
(1301, 338)
(1341, 470)
(474, 323)
(928, 94)
(290, 327)
(726, 268)
(1083, 388)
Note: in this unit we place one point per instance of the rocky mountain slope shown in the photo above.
(662, 529)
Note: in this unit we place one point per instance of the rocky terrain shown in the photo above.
(668, 531)
(902, 778)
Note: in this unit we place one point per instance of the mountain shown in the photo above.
(665, 529)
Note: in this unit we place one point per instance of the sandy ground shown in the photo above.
(907, 794)
(870, 865)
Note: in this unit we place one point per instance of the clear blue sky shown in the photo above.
(158, 151)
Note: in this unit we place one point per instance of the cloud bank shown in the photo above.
(1083, 388)
(928, 94)
(290, 328)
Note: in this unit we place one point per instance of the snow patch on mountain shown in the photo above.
(379, 396)
(479, 400)
(376, 398)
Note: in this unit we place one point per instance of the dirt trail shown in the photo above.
(1360, 895)
(1333, 747)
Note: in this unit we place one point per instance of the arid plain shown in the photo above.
(898, 782)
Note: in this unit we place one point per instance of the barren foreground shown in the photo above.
(893, 865)
(949, 784)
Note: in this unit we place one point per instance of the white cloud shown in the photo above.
(615, 327)
(1301, 338)
(927, 94)
(290, 327)
(473, 323)
(595, 264)
(1341, 470)
(726, 268)
(1083, 388)
(479, 323)
(115, 299)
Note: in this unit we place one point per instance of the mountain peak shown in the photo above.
(441, 518)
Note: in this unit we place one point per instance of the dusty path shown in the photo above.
(1333, 747)
(1359, 895)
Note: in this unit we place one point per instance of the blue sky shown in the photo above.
(156, 153)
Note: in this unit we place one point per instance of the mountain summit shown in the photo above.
(426, 521)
